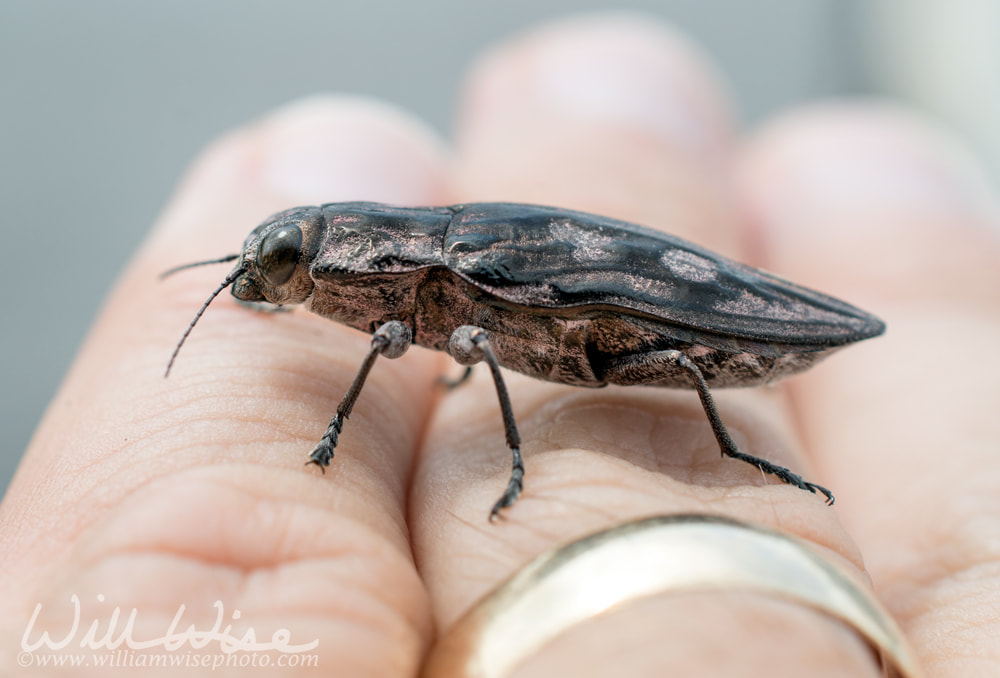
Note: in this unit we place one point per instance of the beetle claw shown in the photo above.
(819, 489)
(798, 481)
(317, 463)
(452, 384)
(323, 454)
(514, 487)
(508, 498)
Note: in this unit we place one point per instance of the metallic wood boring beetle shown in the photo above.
(558, 295)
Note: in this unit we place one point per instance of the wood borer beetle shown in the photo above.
(555, 294)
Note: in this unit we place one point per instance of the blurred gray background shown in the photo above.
(105, 102)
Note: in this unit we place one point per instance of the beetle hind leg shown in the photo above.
(468, 346)
(452, 384)
(391, 341)
(646, 364)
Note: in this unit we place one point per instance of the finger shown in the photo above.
(884, 209)
(197, 481)
(531, 131)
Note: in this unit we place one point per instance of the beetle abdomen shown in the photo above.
(579, 347)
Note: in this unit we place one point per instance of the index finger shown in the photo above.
(151, 494)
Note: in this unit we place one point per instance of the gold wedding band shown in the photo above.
(684, 553)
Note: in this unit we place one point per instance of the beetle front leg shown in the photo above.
(726, 443)
(391, 341)
(262, 306)
(469, 345)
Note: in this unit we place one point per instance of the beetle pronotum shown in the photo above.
(558, 295)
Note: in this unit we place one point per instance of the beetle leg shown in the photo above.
(390, 340)
(263, 306)
(469, 345)
(726, 443)
(451, 384)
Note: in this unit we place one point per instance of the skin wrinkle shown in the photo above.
(651, 422)
(662, 418)
(311, 393)
(554, 470)
(614, 497)
(944, 568)
(245, 573)
(300, 373)
(346, 609)
(266, 390)
(376, 552)
(107, 481)
(291, 474)
(311, 387)
(149, 439)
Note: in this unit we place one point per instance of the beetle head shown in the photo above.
(273, 266)
(274, 263)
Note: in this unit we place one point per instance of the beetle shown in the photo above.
(555, 294)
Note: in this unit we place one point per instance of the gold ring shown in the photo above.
(571, 584)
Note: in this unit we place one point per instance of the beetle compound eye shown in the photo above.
(279, 253)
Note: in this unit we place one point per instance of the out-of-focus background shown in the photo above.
(103, 104)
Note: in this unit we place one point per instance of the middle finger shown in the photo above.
(620, 120)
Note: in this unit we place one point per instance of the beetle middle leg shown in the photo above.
(647, 363)
(469, 345)
(452, 384)
(391, 341)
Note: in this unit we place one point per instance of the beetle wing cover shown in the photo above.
(550, 258)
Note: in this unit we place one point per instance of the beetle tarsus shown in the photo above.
(784, 475)
(452, 384)
(514, 487)
(322, 455)
(263, 306)
(814, 488)
(727, 446)
(322, 468)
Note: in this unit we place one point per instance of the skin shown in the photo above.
(156, 493)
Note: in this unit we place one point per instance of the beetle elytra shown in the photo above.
(558, 295)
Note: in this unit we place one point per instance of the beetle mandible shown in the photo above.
(555, 294)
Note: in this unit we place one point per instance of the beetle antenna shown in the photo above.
(223, 285)
(224, 260)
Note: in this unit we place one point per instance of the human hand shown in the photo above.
(158, 493)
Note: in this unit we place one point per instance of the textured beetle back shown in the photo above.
(548, 258)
